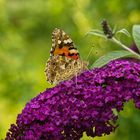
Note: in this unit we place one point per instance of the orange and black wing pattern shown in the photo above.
(63, 45)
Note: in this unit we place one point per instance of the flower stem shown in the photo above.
(125, 47)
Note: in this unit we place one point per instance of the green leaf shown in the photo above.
(114, 29)
(110, 56)
(124, 31)
(96, 32)
(136, 35)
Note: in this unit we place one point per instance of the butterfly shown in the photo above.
(64, 62)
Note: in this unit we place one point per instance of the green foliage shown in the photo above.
(107, 33)
(25, 42)
(110, 56)
(136, 35)
(123, 31)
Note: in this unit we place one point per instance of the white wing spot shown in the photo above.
(59, 41)
(63, 33)
(53, 44)
(67, 41)
(73, 51)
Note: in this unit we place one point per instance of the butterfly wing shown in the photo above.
(64, 62)
(63, 45)
(59, 69)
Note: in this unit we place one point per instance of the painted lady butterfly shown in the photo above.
(64, 61)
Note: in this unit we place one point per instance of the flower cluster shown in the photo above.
(82, 104)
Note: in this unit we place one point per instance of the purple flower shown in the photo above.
(71, 108)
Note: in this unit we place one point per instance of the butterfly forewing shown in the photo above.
(62, 44)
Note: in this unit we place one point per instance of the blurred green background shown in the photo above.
(25, 42)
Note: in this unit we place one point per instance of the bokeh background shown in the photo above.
(25, 42)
